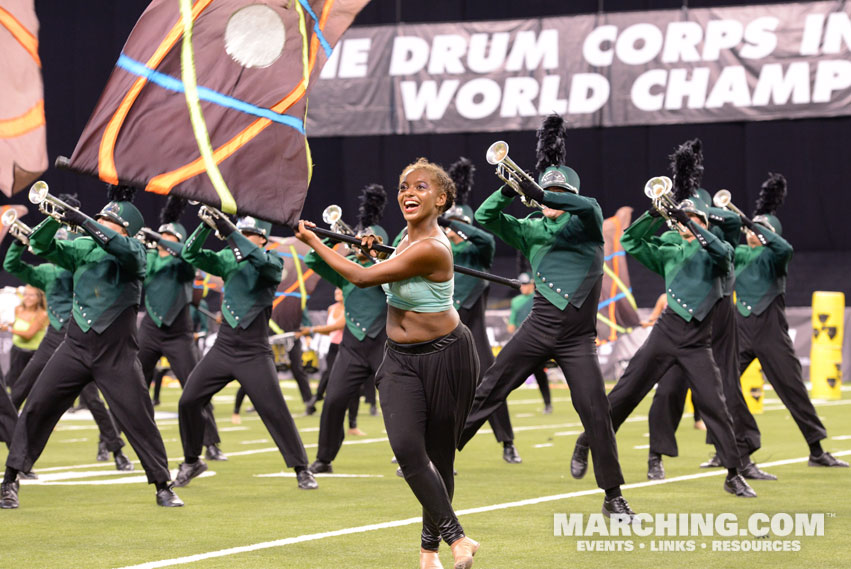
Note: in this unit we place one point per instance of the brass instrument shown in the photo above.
(49, 204)
(333, 216)
(509, 172)
(723, 199)
(17, 228)
(148, 237)
(209, 214)
(658, 189)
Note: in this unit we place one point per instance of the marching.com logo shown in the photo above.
(759, 532)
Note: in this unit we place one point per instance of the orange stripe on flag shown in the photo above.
(106, 155)
(21, 34)
(307, 274)
(30, 120)
(163, 183)
(613, 289)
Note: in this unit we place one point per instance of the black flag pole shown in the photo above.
(333, 235)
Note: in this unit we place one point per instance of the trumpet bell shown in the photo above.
(657, 187)
(332, 214)
(721, 198)
(497, 152)
(38, 192)
(9, 217)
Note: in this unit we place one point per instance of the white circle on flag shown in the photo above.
(254, 36)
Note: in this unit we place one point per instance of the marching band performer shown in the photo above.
(166, 328)
(474, 248)
(427, 379)
(565, 248)
(241, 350)
(364, 336)
(761, 269)
(100, 344)
(693, 261)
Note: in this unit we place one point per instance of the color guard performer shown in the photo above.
(565, 248)
(241, 350)
(108, 266)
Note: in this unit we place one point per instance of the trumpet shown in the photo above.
(17, 228)
(658, 189)
(148, 237)
(723, 199)
(509, 172)
(333, 216)
(48, 204)
(209, 214)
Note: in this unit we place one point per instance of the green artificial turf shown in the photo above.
(117, 525)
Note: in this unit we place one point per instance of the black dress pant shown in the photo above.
(474, 319)
(110, 432)
(673, 341)
(176, 343)
(18, 360)
(297, 369)
(426, 390)
(669, 400)
(766, 336)
(568, 336)
(109, 359)
(8, 414)
(543, 384)
(243, 354)
(356, 362)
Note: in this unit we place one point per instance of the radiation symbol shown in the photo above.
(756, 393)
(831, 330)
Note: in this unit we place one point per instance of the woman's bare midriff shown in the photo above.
(408, 327)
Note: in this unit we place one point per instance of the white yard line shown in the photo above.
(411, 521)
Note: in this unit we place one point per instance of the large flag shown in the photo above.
(297, 283)
(208, 100)
(23, 144)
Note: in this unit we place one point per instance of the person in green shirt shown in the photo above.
(251, 275)
(693, 261)
(166, 328)
(100, 345)
(565, 249)
(761, 269)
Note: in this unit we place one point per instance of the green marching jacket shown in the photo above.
(168, 285)
(693, 270)
(250, 284)
(474, 253)
(566, 254)
(56, 282)
(365, 308)
(761, 272)
(521, 306)
(107, 279)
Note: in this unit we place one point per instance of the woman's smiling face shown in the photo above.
(419, 195)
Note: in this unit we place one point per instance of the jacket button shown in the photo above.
(89, 321)
(558, 290)
(685, 305)
(543, 279)
(551, 285)
(565, 296)
(538, 274)
(690, 310)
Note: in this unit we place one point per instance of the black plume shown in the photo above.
(174, 207)
(551, 150)
(461, 173)
(70, 199)
(120, 193)
(771, 195)
(372, 201)
(687, 169)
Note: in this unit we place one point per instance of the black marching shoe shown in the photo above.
(167, 498)
(655, 469)
(753, 472)
(510, 455)
(373, 410)
(9, 495)
(617, 506)
(27, 475)
(306, 481)
(310, 406)
(188, 471)
(826, 459)
(103, 452)
(713, 462)
(122, 462)
(737, 486)
(214, 453)
(319, 466)
(579, 461)
(548, 409)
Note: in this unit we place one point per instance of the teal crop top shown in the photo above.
(419, 294)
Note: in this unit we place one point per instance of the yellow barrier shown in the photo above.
(310, 361)
(826, 372)
(752, 382)
(828, 318)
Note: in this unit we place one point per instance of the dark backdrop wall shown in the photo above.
(80, 41)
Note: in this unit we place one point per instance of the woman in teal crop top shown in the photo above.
(428, 377)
